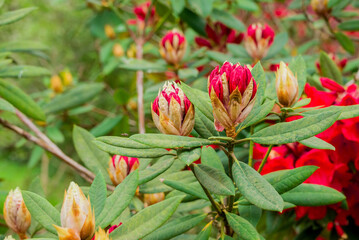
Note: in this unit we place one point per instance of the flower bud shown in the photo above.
(16, 215)
(286, 85)
(153, 198)
(77, 218)
(258, 40)
(110, 32)
(66, 77)
(102, 235)
(320, 7)
(232, 91)
(9, 238)
(56, 84)
(117, 50)
(173, 47)
(119, 167)
(172, 112)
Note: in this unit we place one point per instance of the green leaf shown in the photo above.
(210, 158)
(21, 100)
(193, 189)
(98, 193)
(13, 16)
(35, 156)
(350, 25)
(205, 233)
(141, 64)
(121, 96)
(187, 73)
(228, 19)
(346, 111)
(297, 130)
(199, 99)
(345, 42)
(299, 70)
(6, 106)
(122, 142)
(278, 44)
(255, 188)
(158, 168)
(176, 227)
(285, 180)
(189, 156)
(248, 5)
(178, 6)
(74, 97)
(242, 227)
(251, 213)
(22, 46)
(118, 200)
(106, 125)
(312, 195)
(170, 141)
(302, 103)
(260, 78)
(204, 126)
(203, 7)
(91, 156)
(257, 114)
(193, 20)
(147, 220)
(329, 68)
(42, 211)
(317, 143)
(130, 152)
(215, 180)
(23, 71)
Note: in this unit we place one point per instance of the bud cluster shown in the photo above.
(173, 47)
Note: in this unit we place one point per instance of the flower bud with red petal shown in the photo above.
(232, 91)
(172, 112)
(286, 85)
(173, 47)
(119, 167)
(16, 215)
(258, 40)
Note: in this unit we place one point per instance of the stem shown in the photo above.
(265, 158)
(213, 202)
(22, 236)
(139, 86)
(230, 166)
(251, 146)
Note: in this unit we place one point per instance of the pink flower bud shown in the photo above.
(172, 112)
(258, 40)
(173, 47)
(286, 86)
(232, 90)
(119, 167)
(16, 215)
(77, 218)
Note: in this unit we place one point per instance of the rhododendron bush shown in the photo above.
(201, 120)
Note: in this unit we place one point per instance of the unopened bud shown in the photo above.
(172, 112)
(56, 84)
(258, 40)
(286, 86)
(110, 32)
(153, 198)
(102, 235)
(66, 77)
(131, 52)
(117, 50)
(232, 91)
(16, 215)
(320, 7)
(119, 167)
(77, 218)
(173, 47)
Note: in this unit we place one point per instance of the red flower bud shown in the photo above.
(120, 167)
(172, 112)
(232, 90)
(258, 40)
(331, 85)
(173, 47)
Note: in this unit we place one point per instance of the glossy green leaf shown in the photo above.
(285, 180)
(346, 111)
(302, 103)
(176, 227)
(329, 68)
(158, 168)
(170, 141)
(98, 193)
(132, 152)
(215, 180)
(297, 130)
(255, 188)
(42, 211)
(251, 213)
(242, 227)
(20, 100)
(23, 71)
(350, 25)
(106, 126)
(147, 220)
(280, 40)
(257, 114)
(205, 233)
(260, 78)
(122, 142)
(6, 106)
(345, 42)
(298, 67)
(13, 16)
(313, 195)
(210, 158)
(189, 156)
(204, 126)
(118, 200)
(93, 158)
(317, 143)
(228, 19)
(189, 188)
